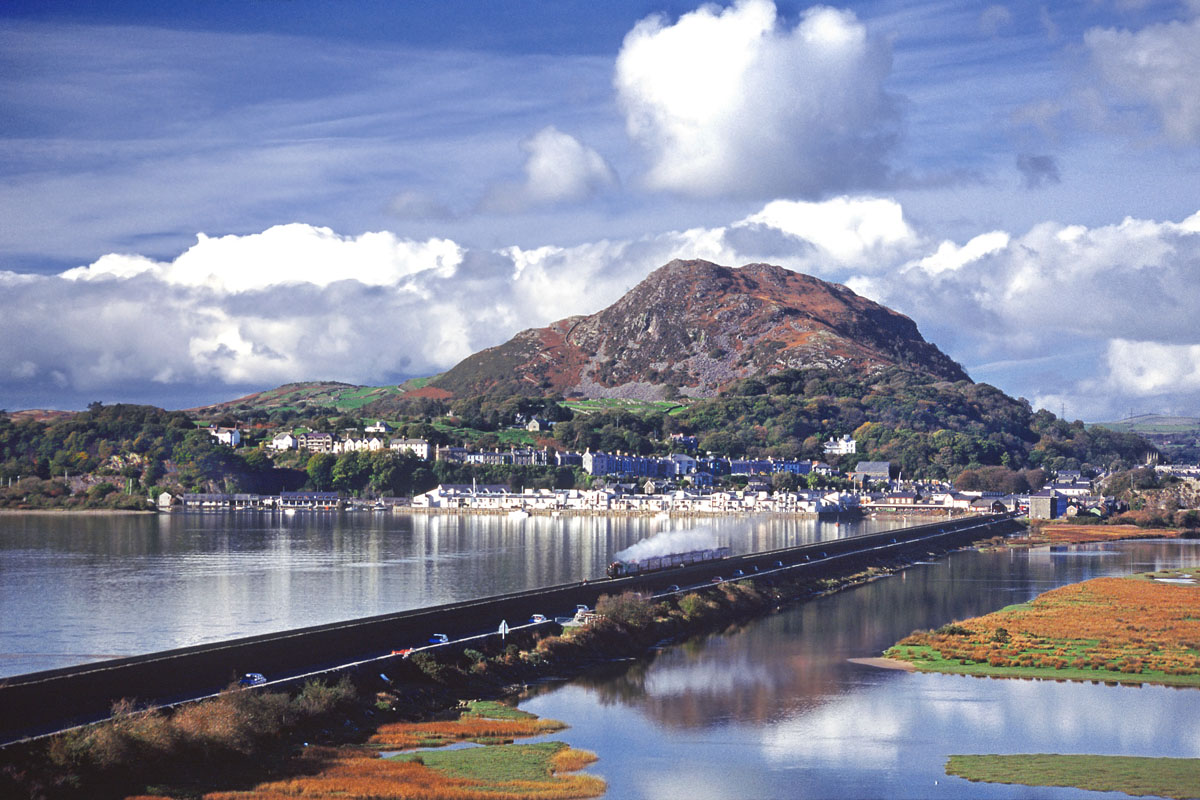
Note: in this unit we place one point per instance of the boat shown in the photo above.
(519, 513)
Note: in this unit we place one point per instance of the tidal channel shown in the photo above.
(774, 709)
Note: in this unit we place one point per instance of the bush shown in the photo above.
(318, 698)
(692, 605)
(628, 609)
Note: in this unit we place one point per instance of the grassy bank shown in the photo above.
(1161, 777)
(1127, 630)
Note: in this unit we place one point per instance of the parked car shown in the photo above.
(581, 609)
(538, 618)
(439, 638)
(737, 573)
(252, 679)
(674, 587)
(717, 579)
(406, 652)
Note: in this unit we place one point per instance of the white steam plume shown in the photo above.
(668, 543)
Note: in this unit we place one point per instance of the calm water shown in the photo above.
(75, 589)
(774, 710)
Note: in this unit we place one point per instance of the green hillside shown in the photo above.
(1153, 424)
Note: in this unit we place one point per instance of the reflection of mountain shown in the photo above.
(797, 658)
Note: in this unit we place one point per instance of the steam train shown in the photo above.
(622, 569)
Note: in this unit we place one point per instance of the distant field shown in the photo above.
(618, 404)
(1153, 423)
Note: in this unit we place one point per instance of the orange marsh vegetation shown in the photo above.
(1084, 534)
(1120, 626)
(507, 772)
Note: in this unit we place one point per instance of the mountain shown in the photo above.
(693, 327)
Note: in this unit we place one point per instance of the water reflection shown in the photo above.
(774, 709)
(80, 588)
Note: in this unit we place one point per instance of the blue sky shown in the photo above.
(203, 199)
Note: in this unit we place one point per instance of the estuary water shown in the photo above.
(774, 709)
(81, 588)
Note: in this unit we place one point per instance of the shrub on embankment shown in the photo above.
(239, 731)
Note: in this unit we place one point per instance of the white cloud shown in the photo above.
(1157, 67)
(558, 169)
(950, 257)
(732, 102)
(851, 230)
(1092, 317)
(294, 253)
(1152, 368)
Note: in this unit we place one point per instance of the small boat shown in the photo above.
(519, 513)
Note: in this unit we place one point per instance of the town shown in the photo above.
(681, 483)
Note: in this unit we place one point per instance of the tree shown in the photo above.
(320, 471)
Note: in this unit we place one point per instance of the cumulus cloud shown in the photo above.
(1085, 316)
(1153, 368)
(1093, 317)
(294, 253)
(733, 102)
(949, 257)
(851, 231)
(1156, 68)
(558, 169)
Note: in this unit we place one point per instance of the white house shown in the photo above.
(841, 447)
(230, 437)
(379, 427)
(284, 441)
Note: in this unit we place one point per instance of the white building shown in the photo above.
(418, 447)
(841, 447)
(230, 437)
(284, 441)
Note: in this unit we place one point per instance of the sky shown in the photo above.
(199, 200)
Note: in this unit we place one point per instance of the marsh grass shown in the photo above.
(496, 771)
(1162, 777)
(1110, 629)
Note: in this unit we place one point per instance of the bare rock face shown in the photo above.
(697, 326)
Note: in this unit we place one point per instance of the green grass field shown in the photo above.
(1153, 423)
(508, 436)
(618, 404)
(926, 659)
(1161, 777)
(493, 763)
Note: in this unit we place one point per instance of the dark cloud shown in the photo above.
(1038, 171)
